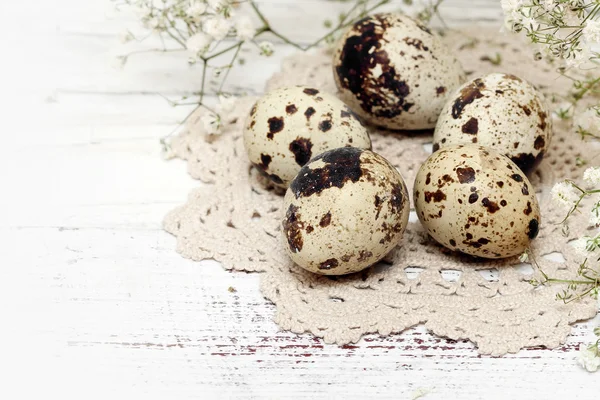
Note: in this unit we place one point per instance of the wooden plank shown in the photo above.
(132, 313)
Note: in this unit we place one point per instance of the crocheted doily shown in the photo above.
(235, 219)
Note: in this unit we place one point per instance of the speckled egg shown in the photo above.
(395, 72)
(475, 200)
(500, 111)
(288, 126)
(345, 211)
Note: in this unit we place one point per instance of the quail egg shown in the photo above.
(475, 200)
(288, 126)
(394, 72)
(345, 211)
(501, 111)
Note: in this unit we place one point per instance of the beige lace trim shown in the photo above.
(235, 220)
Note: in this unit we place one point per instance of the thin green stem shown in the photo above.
(203, 81)
(237, 51)
(576, 282)
(175, 38)
(223, 51)
(285, 39)
(345, 25)
(584, 194)
(260, 14)
(153, 51)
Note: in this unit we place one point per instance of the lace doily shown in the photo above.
(236, 220)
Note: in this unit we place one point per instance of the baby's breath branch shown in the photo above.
(573, 293)
(343, 23)
(230, 66)
(583, 194)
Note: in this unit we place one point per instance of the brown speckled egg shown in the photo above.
(395, 72)
(475, 200)
(345, 211)
(289, 126)
(500, 111)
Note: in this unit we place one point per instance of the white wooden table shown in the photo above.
(97, 302)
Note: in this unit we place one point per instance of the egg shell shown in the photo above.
(501, 111)
(475, 200)
(290, 125)
(345, 211)
(395, 72)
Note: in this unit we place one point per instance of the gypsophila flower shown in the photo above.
(217, 27)
(591, 31)
(561, 29)
(529, 23)
(589, 359)
(218, 5)
(589, 121)
(511, 9)
(156, 23)
(266, 48)
(211, 123)
(524, 257)
(591, 176)
(226, 105)
(244, 28)
(549, 5)
(199, 43)
(196, 10)
(563, 193)
(126, 37)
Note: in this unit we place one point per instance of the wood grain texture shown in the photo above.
(100, 303)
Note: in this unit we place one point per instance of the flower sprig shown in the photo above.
(210, 30)
(570, 196)
(589, 356)
(566, 33)
(563, 29)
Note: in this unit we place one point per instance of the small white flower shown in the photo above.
(266, 48)
(510, 6)
(591, 176)
(226, 104)
(589, 359)
(198, 43)
(211, 123)
(156, 23)
(530, 23)
(244, 28)
(218, 5)
(564, 194)
(512, 11)
(126, 37)
(589, 120)
(524, 257)
(591, 31)
(196, 10)
(549, 5)
(217, 27)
